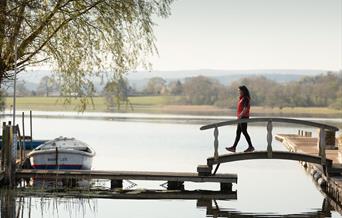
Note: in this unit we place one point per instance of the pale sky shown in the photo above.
(250, 34)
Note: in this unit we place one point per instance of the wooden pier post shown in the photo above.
(216, 143)
(330, 139)
(207, 203)
(21, 149)
(6, 150)
(3, 145)
(115, 184)
(175, 185)
(204, 170)
(31, 129)
(321, 146)
(57, 167)
(23, 129)
(9, 150)
(269, 139)
(13, 155)
(226, 187)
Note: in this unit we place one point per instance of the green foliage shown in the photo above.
(201, 90)
(175, 88)
(79, 38)
(115, 93)
(47, 85)
(319, 91)
(155, 86)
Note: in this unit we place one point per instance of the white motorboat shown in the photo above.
(62, 153)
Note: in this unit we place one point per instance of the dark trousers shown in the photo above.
(242, 127)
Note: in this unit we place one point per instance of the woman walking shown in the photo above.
(243, 107)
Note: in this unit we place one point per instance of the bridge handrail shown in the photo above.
(272, 119)
(269, 127)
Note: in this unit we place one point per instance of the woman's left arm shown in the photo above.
(243, 112)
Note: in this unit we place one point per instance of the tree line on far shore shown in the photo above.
(323, 90)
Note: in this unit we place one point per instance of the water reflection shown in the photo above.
(217, 211)
(8, 204)
(14, 204)
(285, 189)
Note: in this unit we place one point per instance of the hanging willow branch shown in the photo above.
(80, 38)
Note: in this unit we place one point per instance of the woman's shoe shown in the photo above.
(249, 149)
(231, 149)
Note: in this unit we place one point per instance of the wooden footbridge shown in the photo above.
(320, 158)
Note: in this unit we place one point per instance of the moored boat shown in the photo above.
(62, 153)
(29, 144)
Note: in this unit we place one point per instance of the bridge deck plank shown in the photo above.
(307, 145)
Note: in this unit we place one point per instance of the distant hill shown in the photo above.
(139, 79)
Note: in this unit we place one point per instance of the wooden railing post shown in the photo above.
(321, 144)
(269, 138)
(31, 146)
(216, 143)
(23, 136)
(3, 150)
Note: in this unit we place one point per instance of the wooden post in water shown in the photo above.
(226, 187)
(57, 158)
(31, 129)
(175, 185)
(330, 139)
(115, 184)
(6, 144)
(3, 145)
(13, 155)
(269, 139)
(216, 143)
(9, 159)
(321, 145)
(23, 128)
(21, 154)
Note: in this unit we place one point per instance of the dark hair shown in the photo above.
(245, 91)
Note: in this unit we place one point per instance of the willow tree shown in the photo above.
(79, 38)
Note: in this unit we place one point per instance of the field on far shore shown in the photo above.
(161, 104)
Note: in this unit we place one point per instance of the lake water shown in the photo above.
(265, 187)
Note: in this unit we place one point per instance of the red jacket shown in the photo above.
(242, 103)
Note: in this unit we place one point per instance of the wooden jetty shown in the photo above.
(320, 156)
(329, 183)
(11, 172)
(175, 180)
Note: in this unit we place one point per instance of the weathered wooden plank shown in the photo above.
(126, 175)
(267, 119)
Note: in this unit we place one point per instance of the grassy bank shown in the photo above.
(163, 104)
